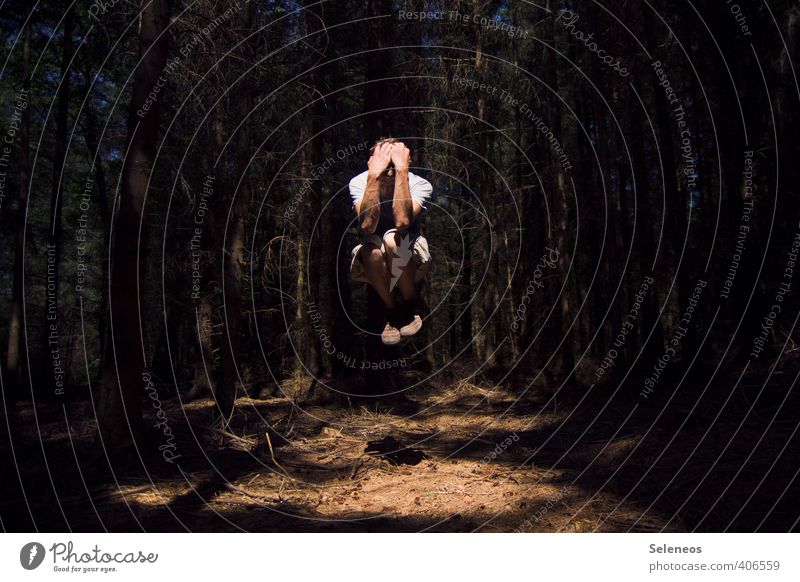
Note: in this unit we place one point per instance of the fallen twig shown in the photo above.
(256, 496)
(272, 454)
(356, 468)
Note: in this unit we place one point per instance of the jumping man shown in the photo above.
(393, 257)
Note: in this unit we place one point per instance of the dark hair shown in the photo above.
(380, 141)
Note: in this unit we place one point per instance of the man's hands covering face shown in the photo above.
(396, 153)
(400, 156)
(380, 159)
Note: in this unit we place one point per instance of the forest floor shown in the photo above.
(470, 457)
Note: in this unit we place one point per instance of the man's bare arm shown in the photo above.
(402, 205)
(368, 208)
(404, 208)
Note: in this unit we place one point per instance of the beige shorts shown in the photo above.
(419, 254)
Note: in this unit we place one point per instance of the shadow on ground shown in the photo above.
(463, 458)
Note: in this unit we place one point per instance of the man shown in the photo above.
(393, 257)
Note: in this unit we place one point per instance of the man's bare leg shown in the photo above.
(379, 277)
(377, 273)
(399, 249)
(408, 289)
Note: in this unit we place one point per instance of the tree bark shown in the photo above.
(13, 368)
(121, 390)
(101, 184)
(51, 341)
(234, 260)
(561, 208)
(677, 207)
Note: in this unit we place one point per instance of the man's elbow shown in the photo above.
(403, 218)
(402, 222)
(368, 224)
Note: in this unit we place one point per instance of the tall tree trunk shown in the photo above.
(301, 328)
(121, 391)
(13, 368)
(101, 188)
(466, 215)
(676, 201)
(308, 251)
(51, 339)
(377, 97)
(644, 244)
(228, 377)
(487, 340)
(561, 207)
(234, 258)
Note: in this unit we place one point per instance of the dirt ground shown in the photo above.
(465, 457)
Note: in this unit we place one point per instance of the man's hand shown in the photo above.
(400, 156)
(380, 159)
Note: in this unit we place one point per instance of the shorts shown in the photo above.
(419, 254)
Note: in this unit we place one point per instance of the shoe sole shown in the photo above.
(408, 330)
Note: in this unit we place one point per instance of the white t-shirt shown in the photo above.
(419, 188)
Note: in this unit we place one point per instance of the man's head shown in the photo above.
(382, 141)
(388, 173)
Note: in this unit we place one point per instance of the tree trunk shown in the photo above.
(561, 210)
(378, 97)
(101, 185)
(486, 342)
(51, 339)
(234, 260)
(13, 368)
(676, 202)
(120, 410)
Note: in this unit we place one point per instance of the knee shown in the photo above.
(372, 256)
(390, 242)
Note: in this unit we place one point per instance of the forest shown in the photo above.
(608, 337)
